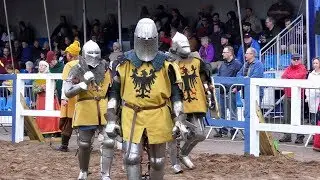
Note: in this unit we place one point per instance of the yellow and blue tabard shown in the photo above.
(194, 97)
(145, 85)
(92, 105)
(68, 110)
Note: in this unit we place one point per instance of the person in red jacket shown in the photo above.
(295, 71)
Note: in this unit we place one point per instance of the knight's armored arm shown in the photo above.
(113, 126)
(73, 86)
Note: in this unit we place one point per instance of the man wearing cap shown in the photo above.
(68, 104)
(295, 71)
(55, 67)
(248, 42)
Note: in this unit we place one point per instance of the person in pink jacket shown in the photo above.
(295, 71)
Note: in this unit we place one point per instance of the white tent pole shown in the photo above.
(120, 23)
(241, 32)
(47, 23)
(84, 14)
(8, 31)
(308, 34)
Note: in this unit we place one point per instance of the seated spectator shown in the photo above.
(253, 20)
(29, 69)
(246, 29)
(248, 42)
(295, 71)
(42, 58)
(26, 55)
(6, 58)
(5, 37)
(45, 47)
(10, 70)
(116, 52)
(194, 45)
(17, 50)
(204, 29)
(36, 50)
(206, 50)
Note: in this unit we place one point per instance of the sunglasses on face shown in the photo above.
(295, 59)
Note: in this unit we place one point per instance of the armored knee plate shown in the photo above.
(157, 163)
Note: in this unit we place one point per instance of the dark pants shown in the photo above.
(65, 125)
(287, 115)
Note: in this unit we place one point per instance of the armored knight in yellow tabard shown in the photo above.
(196, 80)
(146, 85)
(90, 80)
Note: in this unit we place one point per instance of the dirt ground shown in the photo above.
(33, 160)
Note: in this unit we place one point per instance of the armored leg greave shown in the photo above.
(157, 161)
(107, 151)
(173, 150)
(132, 160)
(84, 143)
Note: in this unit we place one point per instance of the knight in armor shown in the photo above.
(146, 86)
(90, 80)
(196, 97)
(68, 104)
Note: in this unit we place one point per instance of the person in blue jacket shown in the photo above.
(248, 42)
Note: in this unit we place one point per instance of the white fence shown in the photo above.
(49, 100)
(295, 127)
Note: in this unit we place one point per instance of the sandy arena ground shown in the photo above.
(33, 160)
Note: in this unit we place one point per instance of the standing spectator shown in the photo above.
(5, 37)
(246, 28)
(164, 41)
(110, 30)
(229, 68)
(271, 32)
(194, 45)
(55, 67)
(26, 55)
(47, 125)
(232, 27)
(63, 26)
(25, 33)
(248, 42)
(224, 42)
(280, 11)
(116, 52)
(144, 13)
(313, 95)
(178, 20)
(76, 33)
(97, 35)
(206, 50)
(216, 21)
(216, 36)
(253, 20)
(36, 50)
(295, 71)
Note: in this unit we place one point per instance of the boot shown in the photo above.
(64, 143)
(299, 139)
(286, 138)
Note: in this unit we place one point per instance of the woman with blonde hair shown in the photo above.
(47, 125)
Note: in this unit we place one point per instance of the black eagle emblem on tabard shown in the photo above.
(189, 81)
(142, 83)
